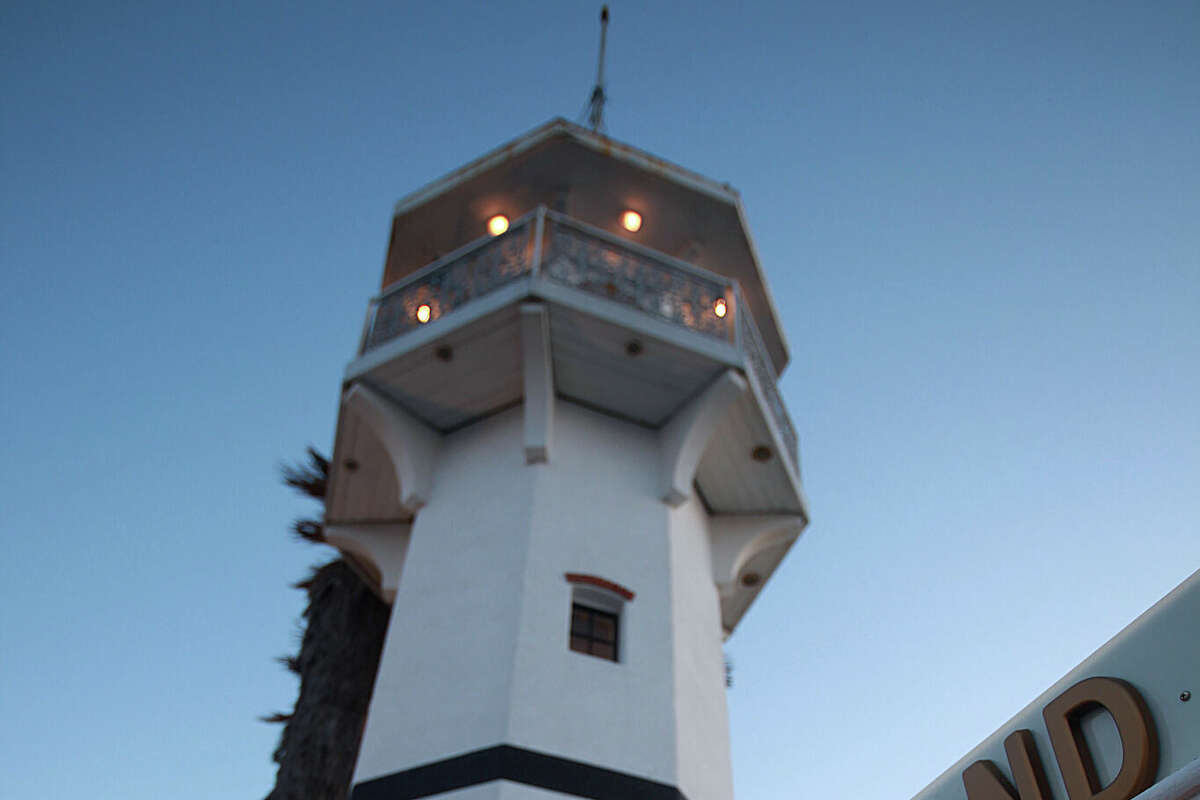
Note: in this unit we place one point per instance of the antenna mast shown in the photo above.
(595, 109)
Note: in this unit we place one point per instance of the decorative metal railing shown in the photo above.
(599, 264)
(751, 343)
(449, 283)
(563, 250)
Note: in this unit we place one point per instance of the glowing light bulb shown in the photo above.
(497, 225)
(423, 313)
(720, 308)
(631, 221)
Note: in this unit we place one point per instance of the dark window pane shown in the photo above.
(604, 651)
(604, 628)
(594, 632)
(579, 621)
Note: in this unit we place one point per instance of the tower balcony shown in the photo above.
(632, 332)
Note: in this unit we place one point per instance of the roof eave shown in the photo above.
(594, 141)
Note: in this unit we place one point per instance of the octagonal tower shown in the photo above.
(563, 457)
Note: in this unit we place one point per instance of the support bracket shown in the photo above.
(683, 439)
(411, 445)
(734, 539)
(381, 548)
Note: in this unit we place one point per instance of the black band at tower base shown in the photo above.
(505, 762)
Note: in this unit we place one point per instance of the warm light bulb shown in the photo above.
(719, 307)
(423, 312)
(631, 221)
(497, 225)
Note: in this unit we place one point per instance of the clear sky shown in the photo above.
(981, 224)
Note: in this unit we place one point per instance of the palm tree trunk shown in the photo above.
(338, 658)
(345, 624)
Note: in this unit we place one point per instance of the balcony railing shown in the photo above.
(756, 353)
(554, 247)
(597, 263)
(449, 283)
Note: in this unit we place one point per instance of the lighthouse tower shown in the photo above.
(563, 458)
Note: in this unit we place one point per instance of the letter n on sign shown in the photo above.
(983, 781)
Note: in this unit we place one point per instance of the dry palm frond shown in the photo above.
(290, 663)
(309, 477)
(309, 530)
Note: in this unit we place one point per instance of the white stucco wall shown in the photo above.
(596, 511)
(477, 650)
(447, 662)
(702, 715)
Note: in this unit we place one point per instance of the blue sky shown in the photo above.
(980, 224)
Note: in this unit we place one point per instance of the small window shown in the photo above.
(597, 605)
(594, 632)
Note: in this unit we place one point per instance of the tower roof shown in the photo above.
(594, 178)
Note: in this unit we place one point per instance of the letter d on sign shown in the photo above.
(1139, 740)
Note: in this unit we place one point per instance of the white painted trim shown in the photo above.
(683, 439)
(383, 545)
(411, 445)
(736, 538)
(538, 375)
(597, 597)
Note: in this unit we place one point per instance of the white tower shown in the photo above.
(562, 457)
